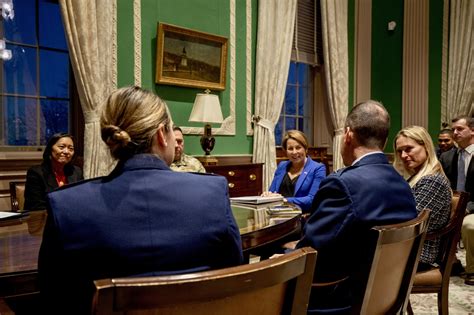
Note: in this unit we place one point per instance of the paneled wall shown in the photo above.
(233, 19)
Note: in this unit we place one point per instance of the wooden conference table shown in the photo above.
(20, 240)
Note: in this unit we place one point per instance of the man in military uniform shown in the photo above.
(183, 162)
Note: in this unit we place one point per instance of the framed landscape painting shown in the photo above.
(190, 58)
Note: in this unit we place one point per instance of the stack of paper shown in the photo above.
(284, 210)
(247, 216)
(6, 215)
(257, 202)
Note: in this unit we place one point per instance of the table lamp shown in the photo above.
(207, 109)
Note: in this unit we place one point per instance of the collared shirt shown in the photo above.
(363, 156)
(187, 164)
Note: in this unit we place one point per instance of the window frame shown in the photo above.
(71, 99)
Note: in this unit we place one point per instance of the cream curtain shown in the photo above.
(90, 30)
(459, 97)
(276, 21)
(336, 68)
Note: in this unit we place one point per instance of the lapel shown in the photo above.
(470, 168)
(71, 178)
(470, 171)
(303, 175)
(50, 178)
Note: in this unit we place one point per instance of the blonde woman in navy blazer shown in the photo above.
(298, 178)
(143, 219)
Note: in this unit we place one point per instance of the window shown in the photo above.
(35, 94)
(297, 110)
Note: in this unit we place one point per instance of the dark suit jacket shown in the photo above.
(40, 180)
(143, 219)
(449, 161)
(307, 184)
(349, 203)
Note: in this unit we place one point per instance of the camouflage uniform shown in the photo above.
(187, 164)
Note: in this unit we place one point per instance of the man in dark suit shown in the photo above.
(459, 167)
(368, 192)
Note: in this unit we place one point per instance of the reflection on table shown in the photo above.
(264, 225)
(20, 240)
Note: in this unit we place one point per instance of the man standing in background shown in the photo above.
(445, 142)
(459, 167)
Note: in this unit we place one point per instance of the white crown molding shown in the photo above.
(114, 44)
(248, 66)
(137, 32)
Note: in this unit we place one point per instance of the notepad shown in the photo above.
(284, 210)
(256, 200)
(4, 215)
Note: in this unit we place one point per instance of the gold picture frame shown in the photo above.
(190, 58)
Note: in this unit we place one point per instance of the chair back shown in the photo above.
(17, 195)
(436, 280)
(275, 286)
(449, 235)
(394, 264)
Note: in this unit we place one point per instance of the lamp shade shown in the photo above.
(207, 109)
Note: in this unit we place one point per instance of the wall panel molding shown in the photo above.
(362, 50)
(248, 66)
(444, 62)
(228, 126)
(137, 30)
(415, 63)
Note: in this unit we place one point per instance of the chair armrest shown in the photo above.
(438, 233)
(435, 234)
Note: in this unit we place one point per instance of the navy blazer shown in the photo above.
(449, 161)
(142, 219)
(307, 184)
(349, 203)
(40, 180)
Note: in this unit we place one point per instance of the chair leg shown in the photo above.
(443, 299)
(409, 309)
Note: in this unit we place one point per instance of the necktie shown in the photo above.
(461, 182)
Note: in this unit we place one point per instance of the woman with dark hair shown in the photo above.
(55, 171)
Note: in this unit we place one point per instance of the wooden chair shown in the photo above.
(436, 280)
(17, 195)
(275, 286)
(5, 309)
(393, 267)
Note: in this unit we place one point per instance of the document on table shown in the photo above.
(10, 215)
(255, 200)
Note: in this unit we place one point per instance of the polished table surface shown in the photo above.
(20, 240)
